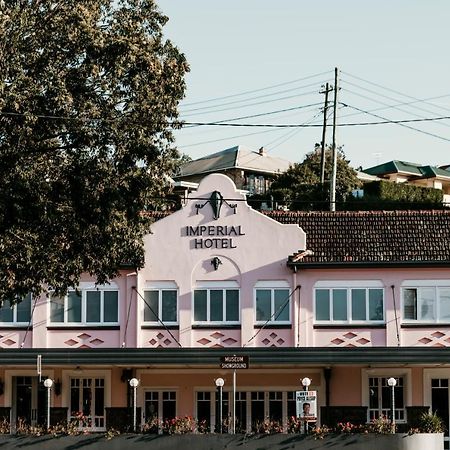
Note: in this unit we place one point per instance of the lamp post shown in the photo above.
(306, 382)
(134, 383)
(219, 383)
(48, 383)
(392, 382)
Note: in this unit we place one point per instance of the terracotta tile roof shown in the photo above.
(389, 237)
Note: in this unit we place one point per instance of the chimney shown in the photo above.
(262, 151)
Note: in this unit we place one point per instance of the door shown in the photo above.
(440, 400)
(29, 401)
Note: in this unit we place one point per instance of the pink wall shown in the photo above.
(260, 254)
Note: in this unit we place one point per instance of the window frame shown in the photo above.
(273, 286)
(160, 287)
(349, 286)
(14, 322)
(387, 373)
(83, 289)
(419, 286)
(216, 286)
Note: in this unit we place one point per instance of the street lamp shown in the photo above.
(219, 383)
(306, 382)
(134, 383)
(48, 383)
(392, 382)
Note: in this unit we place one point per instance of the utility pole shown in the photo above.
(333, 174)
(324, 128)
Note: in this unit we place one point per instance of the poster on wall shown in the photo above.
(306, 405)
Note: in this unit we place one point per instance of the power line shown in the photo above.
(268, 113)
(316, 125)
(247, 99)
(394, 91)
(228, 138)
(258, 90)
(252, 104)
(385, 104)
(403, 122)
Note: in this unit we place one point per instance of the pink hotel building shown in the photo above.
(347, 299)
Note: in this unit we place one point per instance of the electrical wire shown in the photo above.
(249, 99)
(258, 90)
(251, 104)
(386, 104)
(402, 122)
(394, 91)
(268, 113)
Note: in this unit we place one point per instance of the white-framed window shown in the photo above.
(216, 303)
(426, 301)
(349, 302)
(377, 394)
(17, 314)
(161, 303)
(272, 302)
(89, 305)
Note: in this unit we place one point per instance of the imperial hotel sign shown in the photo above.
(214, 236)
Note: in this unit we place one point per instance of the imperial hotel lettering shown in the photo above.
(214, 236)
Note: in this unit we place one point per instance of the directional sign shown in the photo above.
(234, 362)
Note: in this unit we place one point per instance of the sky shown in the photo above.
(254, 57)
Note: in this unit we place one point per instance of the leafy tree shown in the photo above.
(300, 188)
(89, 91)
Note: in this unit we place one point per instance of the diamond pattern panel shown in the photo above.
(273, 339)
(351, 339)
(160, 339)
(435, 339)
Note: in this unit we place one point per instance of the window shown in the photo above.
(380, 398)
(161, 303)
(160, 405)
(272, 302)
(18, 313)
(214, 304)
(87, 306)
(87, 400)
(349, 304)
(426, 303)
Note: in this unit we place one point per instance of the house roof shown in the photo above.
(408, 168)
(372, 237)
(235, 157)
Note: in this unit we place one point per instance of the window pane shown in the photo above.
(200, 306)
(427, 304)
(6, 312)
(216, 305)
(24, 309)
(93, 306)
(282, 304)
(358, 304)
(375, 304)
(322, 304)
(151, 307)
(232, 306)
(339, 304)
(56, 309)
(410, 304)
(169, 306)
(73, 307)
(262, 304)
(111, 306)
(444, 304)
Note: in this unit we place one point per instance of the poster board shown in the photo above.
(306, 405)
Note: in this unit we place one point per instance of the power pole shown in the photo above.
(333, 174)
(324, 128)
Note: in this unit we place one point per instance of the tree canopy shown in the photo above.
(89, 91)
(299, 187)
